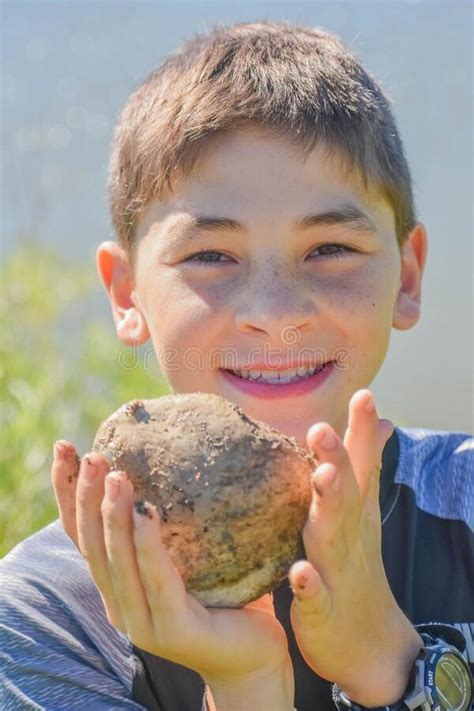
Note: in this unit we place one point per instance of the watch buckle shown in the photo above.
(419, 699)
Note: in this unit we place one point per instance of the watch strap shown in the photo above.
(446, 632)
(342, 703)
(415, 696)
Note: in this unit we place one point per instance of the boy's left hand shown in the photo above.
(347, 623)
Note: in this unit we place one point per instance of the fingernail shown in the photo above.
(112, 485)
(369, 406)
(329, 440)
(89, 468)
(302, 580)
(141, 510)
(60, 448)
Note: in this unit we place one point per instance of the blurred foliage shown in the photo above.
(47, 394)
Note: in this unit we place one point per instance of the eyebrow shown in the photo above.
(348, 215)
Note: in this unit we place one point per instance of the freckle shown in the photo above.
(373, 303)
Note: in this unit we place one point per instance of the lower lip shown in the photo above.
(272, 392)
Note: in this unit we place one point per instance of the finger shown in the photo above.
(328, 447)
(64, 474)
(365, 439)
(324, 533)
(163, 585)
(311, 597)
(360, 439)
(89, 495)
(127, 589)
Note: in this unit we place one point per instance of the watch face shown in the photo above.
(452, 681)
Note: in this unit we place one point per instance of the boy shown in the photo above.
(265, 220)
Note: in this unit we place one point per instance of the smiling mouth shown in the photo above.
(279, 377)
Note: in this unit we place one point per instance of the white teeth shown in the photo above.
(277, 376)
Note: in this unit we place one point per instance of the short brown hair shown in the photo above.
(298, 81)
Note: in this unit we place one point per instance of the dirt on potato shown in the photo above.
(232, 493)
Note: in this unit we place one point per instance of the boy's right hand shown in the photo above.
(241, 654)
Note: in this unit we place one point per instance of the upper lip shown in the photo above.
(279, 366)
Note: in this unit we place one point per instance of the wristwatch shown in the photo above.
(440, 679)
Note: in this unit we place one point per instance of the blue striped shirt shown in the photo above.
(59, 652)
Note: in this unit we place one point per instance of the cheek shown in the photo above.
(184, 324)
(363, 296)
(360, 305)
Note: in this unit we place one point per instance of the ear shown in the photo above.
(406, 311)
(117, 277)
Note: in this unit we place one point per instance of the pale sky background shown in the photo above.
(68, 67)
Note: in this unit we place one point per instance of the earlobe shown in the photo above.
(115, 273)
(406, 311)
(132, 329)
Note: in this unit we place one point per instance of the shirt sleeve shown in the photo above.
(57, 649)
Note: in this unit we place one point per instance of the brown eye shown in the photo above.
(208, 257)
(332, 251)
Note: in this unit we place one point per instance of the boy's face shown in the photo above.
(276, 297)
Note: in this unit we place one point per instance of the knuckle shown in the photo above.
(114, 552)
(63, 477)
(142, 546)
(154, 586)
(309, 606)
(109, 513)
(123, 596)
(82, 498)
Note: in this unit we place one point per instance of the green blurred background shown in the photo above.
(66, 70)
(46, 396)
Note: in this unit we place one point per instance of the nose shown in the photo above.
(276, 308)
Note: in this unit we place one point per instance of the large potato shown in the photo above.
(233, 494)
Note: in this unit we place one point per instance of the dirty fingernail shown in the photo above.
(302, 581)
(89, 468)
(141, 510)
(141, 507)
(60, 448)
